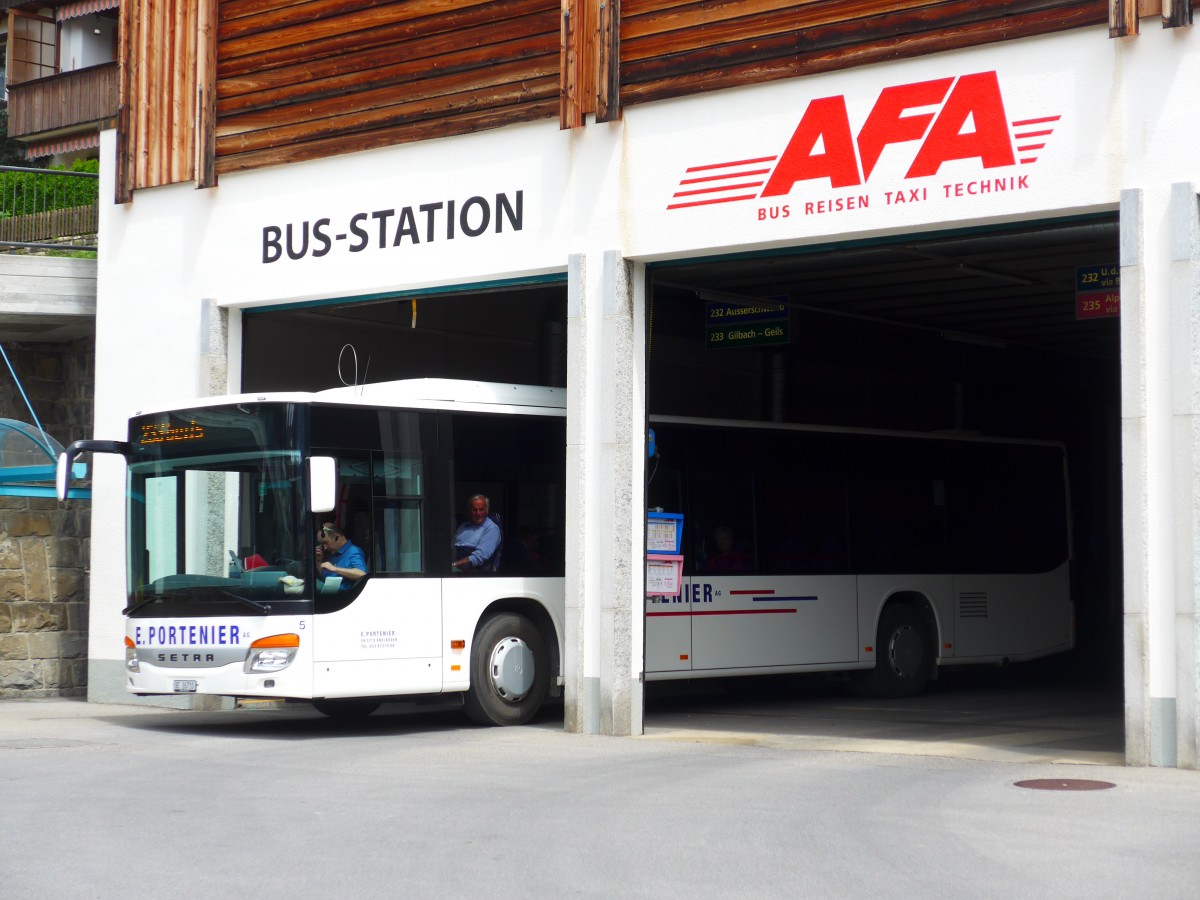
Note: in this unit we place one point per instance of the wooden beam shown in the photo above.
(580, 26)
(518, 82)
(839, 45)
(608, 63)
(303, 48)
(357, 25)
(126, 141)
(589, 53)
(1176, 13)
(768, 60)
(206, 94)
(570, 109)
(406, 56)
(809, 28)
(183, 149)
(390, 135)
(1122, 18)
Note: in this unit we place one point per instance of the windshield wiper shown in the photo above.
(134, 607)
(263, 608)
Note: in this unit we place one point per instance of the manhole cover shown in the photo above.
(1065, 784)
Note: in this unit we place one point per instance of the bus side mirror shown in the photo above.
(66, 466)
(322, 481)
(62, 476)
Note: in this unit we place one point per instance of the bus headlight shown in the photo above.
(270, 654)
(131, 660)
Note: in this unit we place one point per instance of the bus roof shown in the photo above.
(446, 390)
(447, 393)
(946, 435)
(436, 392)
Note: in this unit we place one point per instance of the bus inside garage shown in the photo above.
(977, 332)
(988, 333)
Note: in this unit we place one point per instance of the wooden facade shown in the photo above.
(159, 93)
(226, 85)
(63, 101)
(670, 49)
(296, 81)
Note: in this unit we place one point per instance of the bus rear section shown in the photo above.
(881, 553)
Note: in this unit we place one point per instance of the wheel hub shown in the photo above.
(905, 652)
(512, 669)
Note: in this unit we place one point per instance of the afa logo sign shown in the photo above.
(938, 121)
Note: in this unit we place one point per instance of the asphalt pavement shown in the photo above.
(115, 801)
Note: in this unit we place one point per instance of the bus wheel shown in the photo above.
(510, 671)
(346, 708)
(903, 654)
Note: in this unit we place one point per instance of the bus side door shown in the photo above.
(669, 631)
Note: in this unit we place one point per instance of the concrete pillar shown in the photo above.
(214, 349)
(214, 381)
(605, 545)
(1184, 295)
(1160, 395)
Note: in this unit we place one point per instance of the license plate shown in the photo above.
(185, 687)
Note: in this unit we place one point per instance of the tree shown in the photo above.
(12, 152)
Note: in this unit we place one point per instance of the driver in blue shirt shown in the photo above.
(341, 556)
(477, 539)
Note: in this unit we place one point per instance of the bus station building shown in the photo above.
(279, 180)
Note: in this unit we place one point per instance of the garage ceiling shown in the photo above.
(1001, 288)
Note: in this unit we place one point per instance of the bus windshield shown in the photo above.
(217, 522)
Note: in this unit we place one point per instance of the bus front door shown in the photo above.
(386, 642)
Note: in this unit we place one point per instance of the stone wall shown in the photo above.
(44, 543)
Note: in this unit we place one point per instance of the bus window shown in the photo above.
(518, 463)
(382, 480)
(899, 523)
(353, 513)
(720, 521)
(397, 486)
(804, 519)
(1008, 510)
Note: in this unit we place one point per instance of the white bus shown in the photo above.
(805, 549)
(883, 554)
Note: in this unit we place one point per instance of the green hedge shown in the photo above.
(26, 193)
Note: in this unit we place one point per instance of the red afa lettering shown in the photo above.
(825, 119)
(887, 125)
(975, 98)
(971, 123)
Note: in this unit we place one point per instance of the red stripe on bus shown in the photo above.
(723, 612)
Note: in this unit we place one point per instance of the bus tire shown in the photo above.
(510, 671)
(346, 707)
(903, 654)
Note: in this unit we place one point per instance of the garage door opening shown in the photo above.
(511, 334)
(994, 332)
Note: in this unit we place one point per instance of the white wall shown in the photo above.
(1124, 118)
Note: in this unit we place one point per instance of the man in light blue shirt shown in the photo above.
(477, 540)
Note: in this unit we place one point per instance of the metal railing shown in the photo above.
(48, 209)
